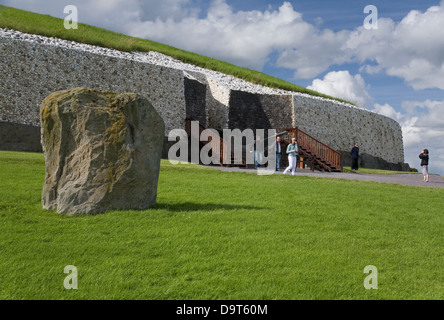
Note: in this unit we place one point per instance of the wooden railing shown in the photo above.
(326, 156)
(217, 144)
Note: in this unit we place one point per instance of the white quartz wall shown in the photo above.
(340, 126)
(30, 71)
(32, 67)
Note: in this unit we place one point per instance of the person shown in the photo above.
(258, 156)
(424, 156)
(278, 153)
(292, 151)
(355, 157)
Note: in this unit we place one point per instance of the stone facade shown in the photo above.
(340, 126)
(195, 96)
(260, 111)
(19, 137)
(31, 70)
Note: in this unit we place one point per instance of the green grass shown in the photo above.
(221, 235)
(46, 25)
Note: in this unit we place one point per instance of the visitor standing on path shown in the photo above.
(292, 152)
(355, 157)
(278, 153)
(424, 156)
(258, 155)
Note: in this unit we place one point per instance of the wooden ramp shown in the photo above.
(315, 153)
(217, 144)
(311, 151)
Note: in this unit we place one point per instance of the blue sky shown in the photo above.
(396, 70)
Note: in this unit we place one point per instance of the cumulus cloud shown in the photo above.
(432, 115)
(422, 126)
(342, 84)
(412, 49)
(246, 38)
(315, 52)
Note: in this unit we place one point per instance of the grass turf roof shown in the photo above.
(45, 25)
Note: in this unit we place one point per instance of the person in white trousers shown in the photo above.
(292, 151)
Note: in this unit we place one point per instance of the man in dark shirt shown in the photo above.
(355, 157)
(278, 153)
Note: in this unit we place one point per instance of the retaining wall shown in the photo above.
(30, 71)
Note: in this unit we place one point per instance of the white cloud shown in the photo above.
(389, 111)
(342, 84)
(315, 53)
(422, 126)
(245, 38)
(413, 49)
(432, 113)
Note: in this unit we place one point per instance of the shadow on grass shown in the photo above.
(191, 206)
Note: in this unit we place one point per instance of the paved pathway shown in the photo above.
(435, 181)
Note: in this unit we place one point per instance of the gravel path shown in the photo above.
(435, 181)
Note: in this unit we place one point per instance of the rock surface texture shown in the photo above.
(102, 151)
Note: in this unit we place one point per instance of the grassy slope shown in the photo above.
(34, 23)
(218, 235)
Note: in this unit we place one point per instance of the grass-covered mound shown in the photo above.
(221, 235)
(48, 26)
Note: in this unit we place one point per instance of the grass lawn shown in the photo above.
(221, 235)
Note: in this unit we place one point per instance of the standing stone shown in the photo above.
(102, 151)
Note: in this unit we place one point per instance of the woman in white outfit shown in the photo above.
(292, 151)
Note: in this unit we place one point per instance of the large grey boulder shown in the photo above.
(102, 151)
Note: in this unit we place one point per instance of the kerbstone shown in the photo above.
(102, 151)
